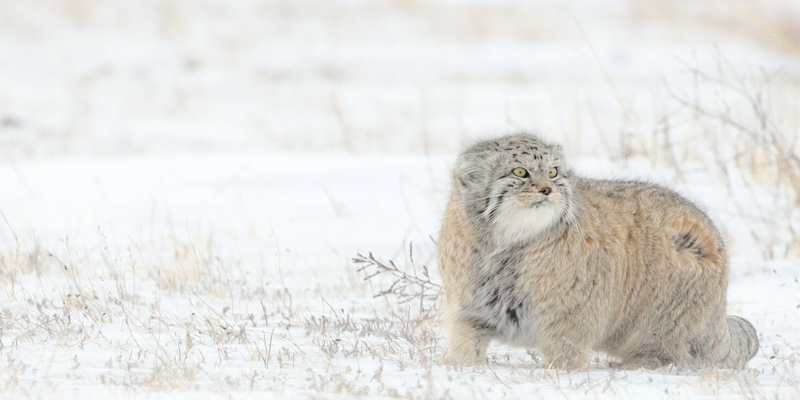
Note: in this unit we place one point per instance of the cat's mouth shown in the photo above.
(539, 202)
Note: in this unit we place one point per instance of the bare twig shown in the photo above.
(406, 286)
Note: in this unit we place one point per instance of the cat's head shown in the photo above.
(514, 188)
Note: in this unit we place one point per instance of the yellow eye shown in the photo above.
(519, 172)
(553, 172)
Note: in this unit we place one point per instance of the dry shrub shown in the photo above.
(414, 286)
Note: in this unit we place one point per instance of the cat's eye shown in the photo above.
(520, 172)
(553, 172)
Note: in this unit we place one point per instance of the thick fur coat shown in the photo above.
(537, 256)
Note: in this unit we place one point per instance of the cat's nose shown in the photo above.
(546, 190)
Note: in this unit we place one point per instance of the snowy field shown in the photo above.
(184, 185)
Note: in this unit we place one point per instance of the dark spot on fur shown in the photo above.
(495, 297)
(486, 326)
(512, 315)
(509, 288)
(612, 194)
(526, 153)
(503, 263)
(689, 243)
(681, 242)
(497, 206)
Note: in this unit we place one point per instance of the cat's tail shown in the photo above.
(736, 345)
(730, 343)
(744, 339)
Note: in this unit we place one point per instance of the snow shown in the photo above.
(184, 185)
(188, 265)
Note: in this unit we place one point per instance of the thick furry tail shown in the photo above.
(730, 342)
(743, 343)
(743, 336)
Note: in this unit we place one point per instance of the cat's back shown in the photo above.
(640, 216)
(622, 194)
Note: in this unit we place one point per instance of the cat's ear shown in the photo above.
(471, 168)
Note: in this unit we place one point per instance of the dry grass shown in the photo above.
(459, 70)
(736, 133)
(728, 123)
(184, 313)
(158, 316)
(167, 319)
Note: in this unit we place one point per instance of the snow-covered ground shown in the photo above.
(184, 184)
